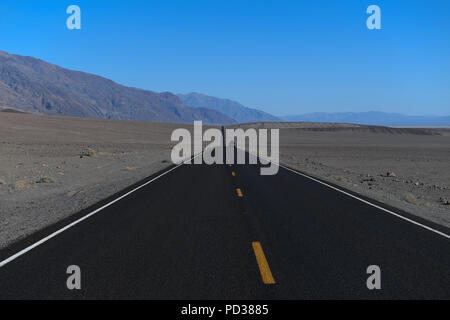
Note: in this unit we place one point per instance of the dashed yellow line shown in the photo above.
(239, 193)
(264, 268)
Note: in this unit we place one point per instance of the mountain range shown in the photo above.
(372, 118)
(35, 86)
(228, 107)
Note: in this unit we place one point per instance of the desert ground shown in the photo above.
(407, 168)
(52, 167)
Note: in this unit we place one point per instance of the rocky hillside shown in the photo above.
(35, 86)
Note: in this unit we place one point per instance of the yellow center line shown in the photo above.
(264, 268)
(239, 193)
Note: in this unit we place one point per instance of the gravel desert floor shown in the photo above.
(405, 168)
(52, 167)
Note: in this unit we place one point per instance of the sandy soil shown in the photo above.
(406, 168)
(49, 166)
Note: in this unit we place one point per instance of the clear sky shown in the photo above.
(284, 57)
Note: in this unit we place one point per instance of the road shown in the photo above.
(226, 232)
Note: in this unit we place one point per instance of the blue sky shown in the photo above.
(284, 57)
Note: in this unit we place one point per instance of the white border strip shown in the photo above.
(369, 203)
(54, 234)
(362, 200)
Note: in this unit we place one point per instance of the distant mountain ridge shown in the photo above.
(372, 118)
(35, 86)
(31, 85)
(228, 107)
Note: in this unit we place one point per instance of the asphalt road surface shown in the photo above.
(226, 232)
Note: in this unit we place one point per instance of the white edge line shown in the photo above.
(362, 200)
(54, 234)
